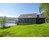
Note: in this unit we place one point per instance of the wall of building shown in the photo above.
(27, 20)
(40, 20)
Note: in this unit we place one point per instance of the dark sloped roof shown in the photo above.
(30, 16)
(41, 16)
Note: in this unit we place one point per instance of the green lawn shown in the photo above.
(34, 30)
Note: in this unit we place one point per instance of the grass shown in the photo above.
(34, 30)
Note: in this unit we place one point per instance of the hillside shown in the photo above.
(34, 30)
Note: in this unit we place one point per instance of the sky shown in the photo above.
(16, 9)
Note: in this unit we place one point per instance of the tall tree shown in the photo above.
(44, 10)
(3, 21)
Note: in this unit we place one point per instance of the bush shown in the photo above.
(17, 23)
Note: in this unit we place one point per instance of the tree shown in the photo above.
(44, 10)
(3, 21)
(17, 22)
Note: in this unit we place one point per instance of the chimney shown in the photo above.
(37, 16)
